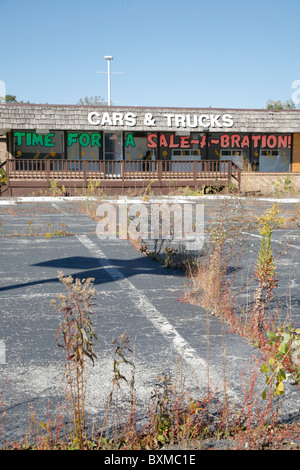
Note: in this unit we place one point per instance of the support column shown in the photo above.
(295, 167)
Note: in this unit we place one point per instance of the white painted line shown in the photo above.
(17, 200)
(142, 303)
(2, 352)
(28, 296)
(274, 241)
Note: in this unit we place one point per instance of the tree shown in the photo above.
(288, 104)
(11, 99)
(92, 101)
(8, 99)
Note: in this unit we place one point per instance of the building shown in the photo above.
(130, 147)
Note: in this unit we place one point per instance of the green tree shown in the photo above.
(10, 99)
(288, 104)
(92, 101)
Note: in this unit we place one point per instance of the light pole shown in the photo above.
(108, 58)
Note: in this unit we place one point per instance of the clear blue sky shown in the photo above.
(192, 53)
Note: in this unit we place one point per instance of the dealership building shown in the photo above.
(128, 147)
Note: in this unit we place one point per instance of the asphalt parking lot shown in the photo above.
(135, 295)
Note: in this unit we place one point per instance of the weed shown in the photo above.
(55, 191)
(148, 191)
(283, 187)
(121, 348)
(3, 177)
(2, 408)
(265, 269)
(285, 344)
(76, 336)
(30, 227)
(223, 249)
(47, 433)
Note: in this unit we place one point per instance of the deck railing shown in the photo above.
(26, 169)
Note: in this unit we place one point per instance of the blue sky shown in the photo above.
(192, 53)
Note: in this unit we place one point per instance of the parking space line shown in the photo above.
(160, 323)
(274, 241)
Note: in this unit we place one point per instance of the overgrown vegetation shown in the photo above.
(174, 416)
(77, 337)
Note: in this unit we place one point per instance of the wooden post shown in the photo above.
(84, 174)
(239, 178)
(123, 167)
(7, 169)
(159, 170)
(48, 172)
(102, 168)
(195, 170)
(229, 172)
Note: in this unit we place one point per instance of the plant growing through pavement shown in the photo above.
(265, 269)
(76, 336)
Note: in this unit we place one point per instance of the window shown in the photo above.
(186, 154)
(29, 144)
(84, 145)
(113, 146)
(274, 160)
(137, 146)
(235, 155)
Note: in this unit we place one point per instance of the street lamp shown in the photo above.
(108, 58)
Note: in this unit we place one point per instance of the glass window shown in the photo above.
(274, 160)
(140, 146)
(235, 155)
(113, 146)
(84, 145)
(29, 144)
(271, 152)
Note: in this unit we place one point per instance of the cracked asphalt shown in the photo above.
(135, 295)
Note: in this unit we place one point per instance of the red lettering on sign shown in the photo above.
(282, 141)
(163, 141)
(255, 140)
(271, 141)
(152, 144)
(203, 141)
(224, 141)
(235, 140)
(184, 142)
(245, 142)
(172, 142)
(263, 141)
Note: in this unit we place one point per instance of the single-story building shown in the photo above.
(132, 146)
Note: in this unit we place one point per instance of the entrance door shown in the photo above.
(113, 154)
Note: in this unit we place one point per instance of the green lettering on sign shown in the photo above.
(48, 140)
(72, 138)
(28, 139)
(95, 140)
(19, 136)
(84, 139)
(37, 139)
(130, 141)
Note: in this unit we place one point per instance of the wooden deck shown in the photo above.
(33, 174)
